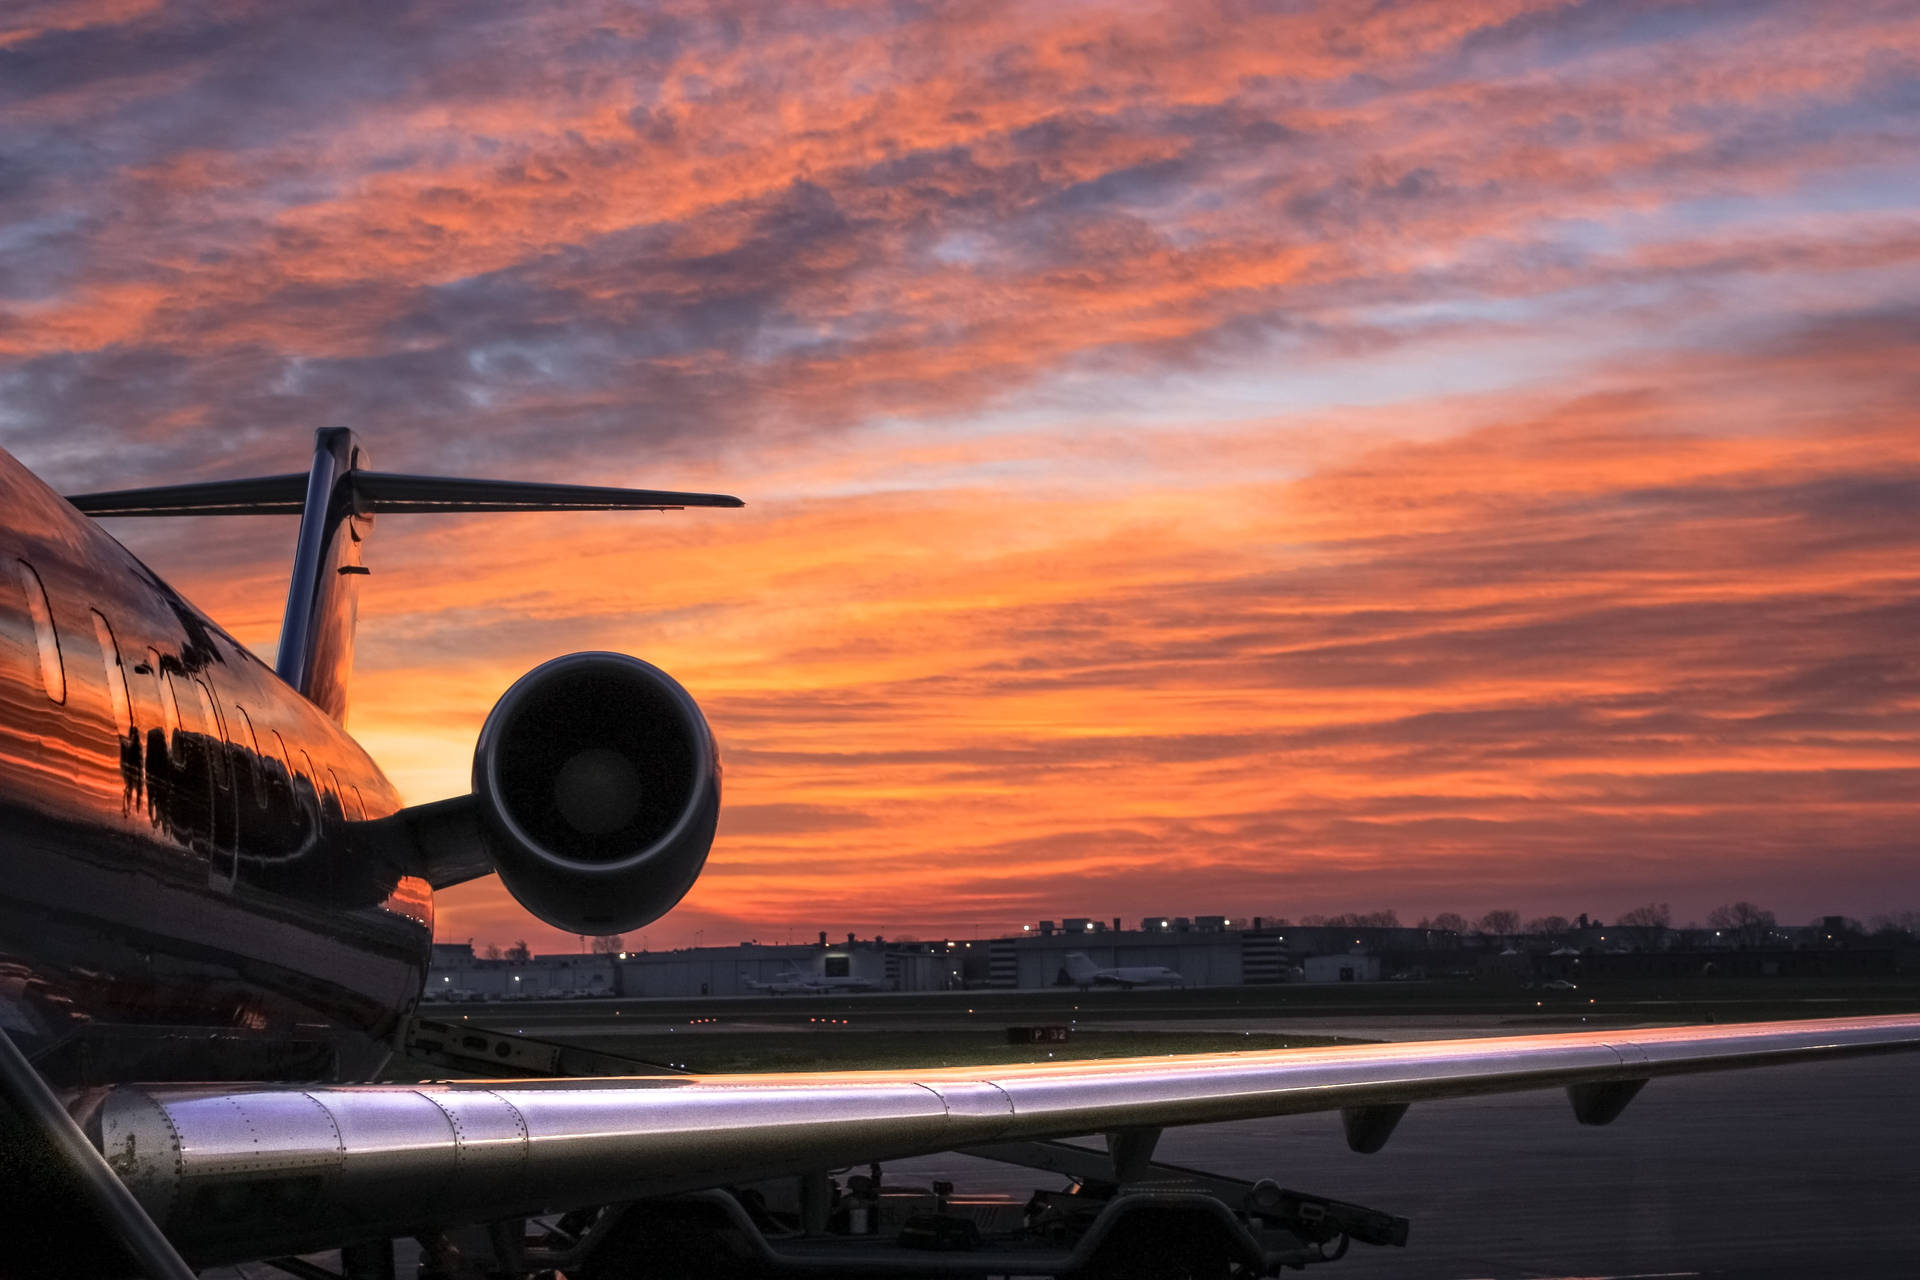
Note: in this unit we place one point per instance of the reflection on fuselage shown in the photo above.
(179, 902)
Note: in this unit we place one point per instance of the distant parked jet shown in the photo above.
(844, 985)
(1086, 974)
(788, 982)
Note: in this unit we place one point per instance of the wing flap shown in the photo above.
(370, 1155)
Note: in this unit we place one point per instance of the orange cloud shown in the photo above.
(1289, 459)
(1576, 647)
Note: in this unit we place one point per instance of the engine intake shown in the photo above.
(599, 788)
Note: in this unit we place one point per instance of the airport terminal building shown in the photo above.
(1205, 951)
(457, 973)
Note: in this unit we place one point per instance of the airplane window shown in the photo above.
(252, 747)
(216, 736)
(319, 790)
(293, 788)
(53, 676)
(116, 676)
(169, 706)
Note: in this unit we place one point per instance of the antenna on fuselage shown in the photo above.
(336, 501)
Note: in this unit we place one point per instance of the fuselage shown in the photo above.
(1085, 974)
(852, 986)
(785, 984)
(1136, 976)
(186, 891)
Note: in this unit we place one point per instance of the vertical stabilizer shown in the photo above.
(316, 632)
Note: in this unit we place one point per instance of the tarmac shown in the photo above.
(1796, 1171)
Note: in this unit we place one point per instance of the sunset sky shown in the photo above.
(1201, 458)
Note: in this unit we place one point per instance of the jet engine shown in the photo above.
(598, 787)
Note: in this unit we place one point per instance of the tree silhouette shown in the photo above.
(1549, 926)
(1357, 920)
(1896, 923)
(1500, 922)
(1748, 924)
(1447, 922)
(1647, 926)
(519, 951)
(609, 944)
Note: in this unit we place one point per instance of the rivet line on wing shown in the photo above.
(338, 1171)
(173, 1136)
(1012, 1108)
(453, 1123)
(157, 1194)
(938, 1097)
(1627, 1054)
(339, 1143)
(520, 1122)
(999, 1116)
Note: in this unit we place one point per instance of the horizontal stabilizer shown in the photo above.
(376, 491)
(381, 491)
(261, 496)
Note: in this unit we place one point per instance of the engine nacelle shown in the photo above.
(598, 787)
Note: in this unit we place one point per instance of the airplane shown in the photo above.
(848, 986)
(786, 983)
(1086, 974)
(792, 982)
(215, 923)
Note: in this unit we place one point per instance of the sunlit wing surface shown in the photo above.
(287, 1168)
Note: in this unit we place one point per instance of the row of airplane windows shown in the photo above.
(53, 678)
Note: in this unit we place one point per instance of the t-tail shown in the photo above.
(1081, 969)
(336, 500)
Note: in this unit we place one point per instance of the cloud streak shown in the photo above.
(1466, 446)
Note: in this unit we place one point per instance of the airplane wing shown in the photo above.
(293, 1168)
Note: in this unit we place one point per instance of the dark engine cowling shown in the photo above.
(599, 787)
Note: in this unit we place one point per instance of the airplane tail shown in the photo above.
(336, 500)
(1081, 969)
